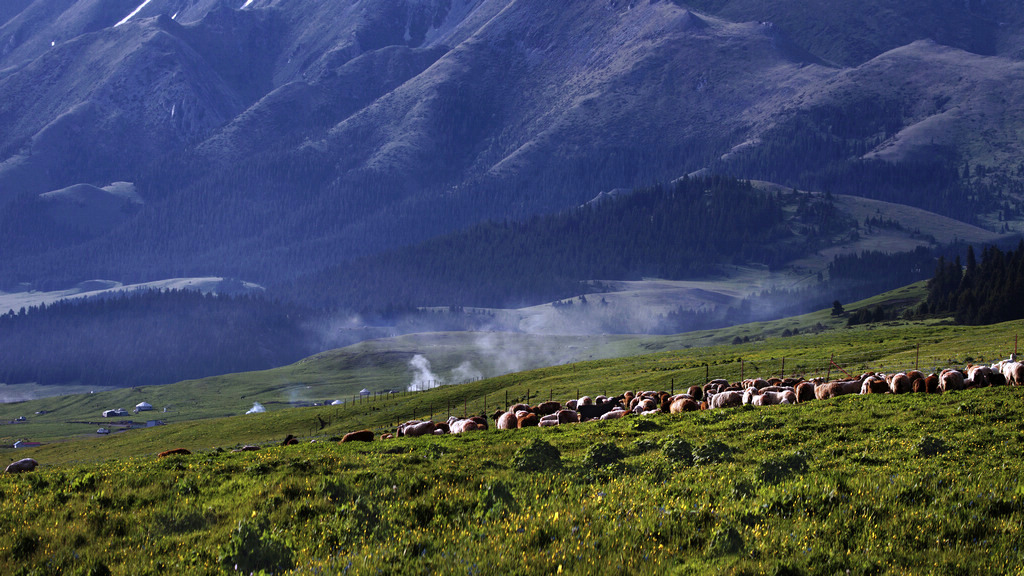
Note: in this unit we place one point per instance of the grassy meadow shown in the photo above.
(878, 484)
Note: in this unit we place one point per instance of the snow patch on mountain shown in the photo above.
(14, 301)
(134, 12)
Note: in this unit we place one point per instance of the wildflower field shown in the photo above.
(870, 485)
(875, 484)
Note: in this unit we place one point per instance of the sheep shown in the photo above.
(837, 388)
(571, 404)
(996, 379)
(507, 421)
(645, 405)
(696, 392)
(920, 386)
(804, 392)
(289, 440)
(23, 465)
(481, 422)
(729, 399)
(460, 425)
(358, 436)
(683, 404)
(614, 414)
(584, 401)
(595, 411)
(527, 420)
(567, 417)
(773, 397)
(978, 374)
(415, 428)
(166, 453)
(247, 448)
(874, 385)
(748, 395)
(519, 407)
(950, 380)
(931, 383)
(1013, 372)
(900, 383)
(545, 408)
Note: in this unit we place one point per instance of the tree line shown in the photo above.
(683, 230)
(150, 337)
(982, 292)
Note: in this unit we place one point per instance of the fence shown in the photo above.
(887, 358)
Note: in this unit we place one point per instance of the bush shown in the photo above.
(537, 456)
(773, 470)
(678, 450)
(602, 454)
(931, 446)
(713, 452)
(253, 547)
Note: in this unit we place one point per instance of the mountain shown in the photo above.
(270, 139)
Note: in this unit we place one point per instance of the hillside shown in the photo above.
(560, 365)
(268, 140)
(878, 470)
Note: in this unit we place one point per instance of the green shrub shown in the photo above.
(602, 454)
(254, 547)
(537, 456)
(714, 451)
(931, 446)
(678, 450)
(776, 469)
(495, 500)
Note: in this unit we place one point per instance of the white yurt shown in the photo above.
(143, 407)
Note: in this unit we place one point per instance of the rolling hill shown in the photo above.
(268, 139)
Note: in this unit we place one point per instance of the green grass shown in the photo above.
(870, 485)
(924, 484)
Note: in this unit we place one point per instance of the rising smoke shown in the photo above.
(423, 378)
(257, 408)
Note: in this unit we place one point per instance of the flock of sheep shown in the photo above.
(713, 395)
(716, 394)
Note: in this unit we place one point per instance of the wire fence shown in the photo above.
(440, 403)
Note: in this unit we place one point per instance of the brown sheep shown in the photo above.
(387, 436)
(545, 408)
(697, 392)
(527, 421)
(23, 465)
(996, 379)
(874, 385)
(900, 384)
(931, 384)
(518, 407)
(950, 380)
(166, 453)
(289, 440)
(358, 436)
(680, 405)
(914, 375)
(920, 386)
(567, 417)
(837, 388)
(481, 422)
(804, 392)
